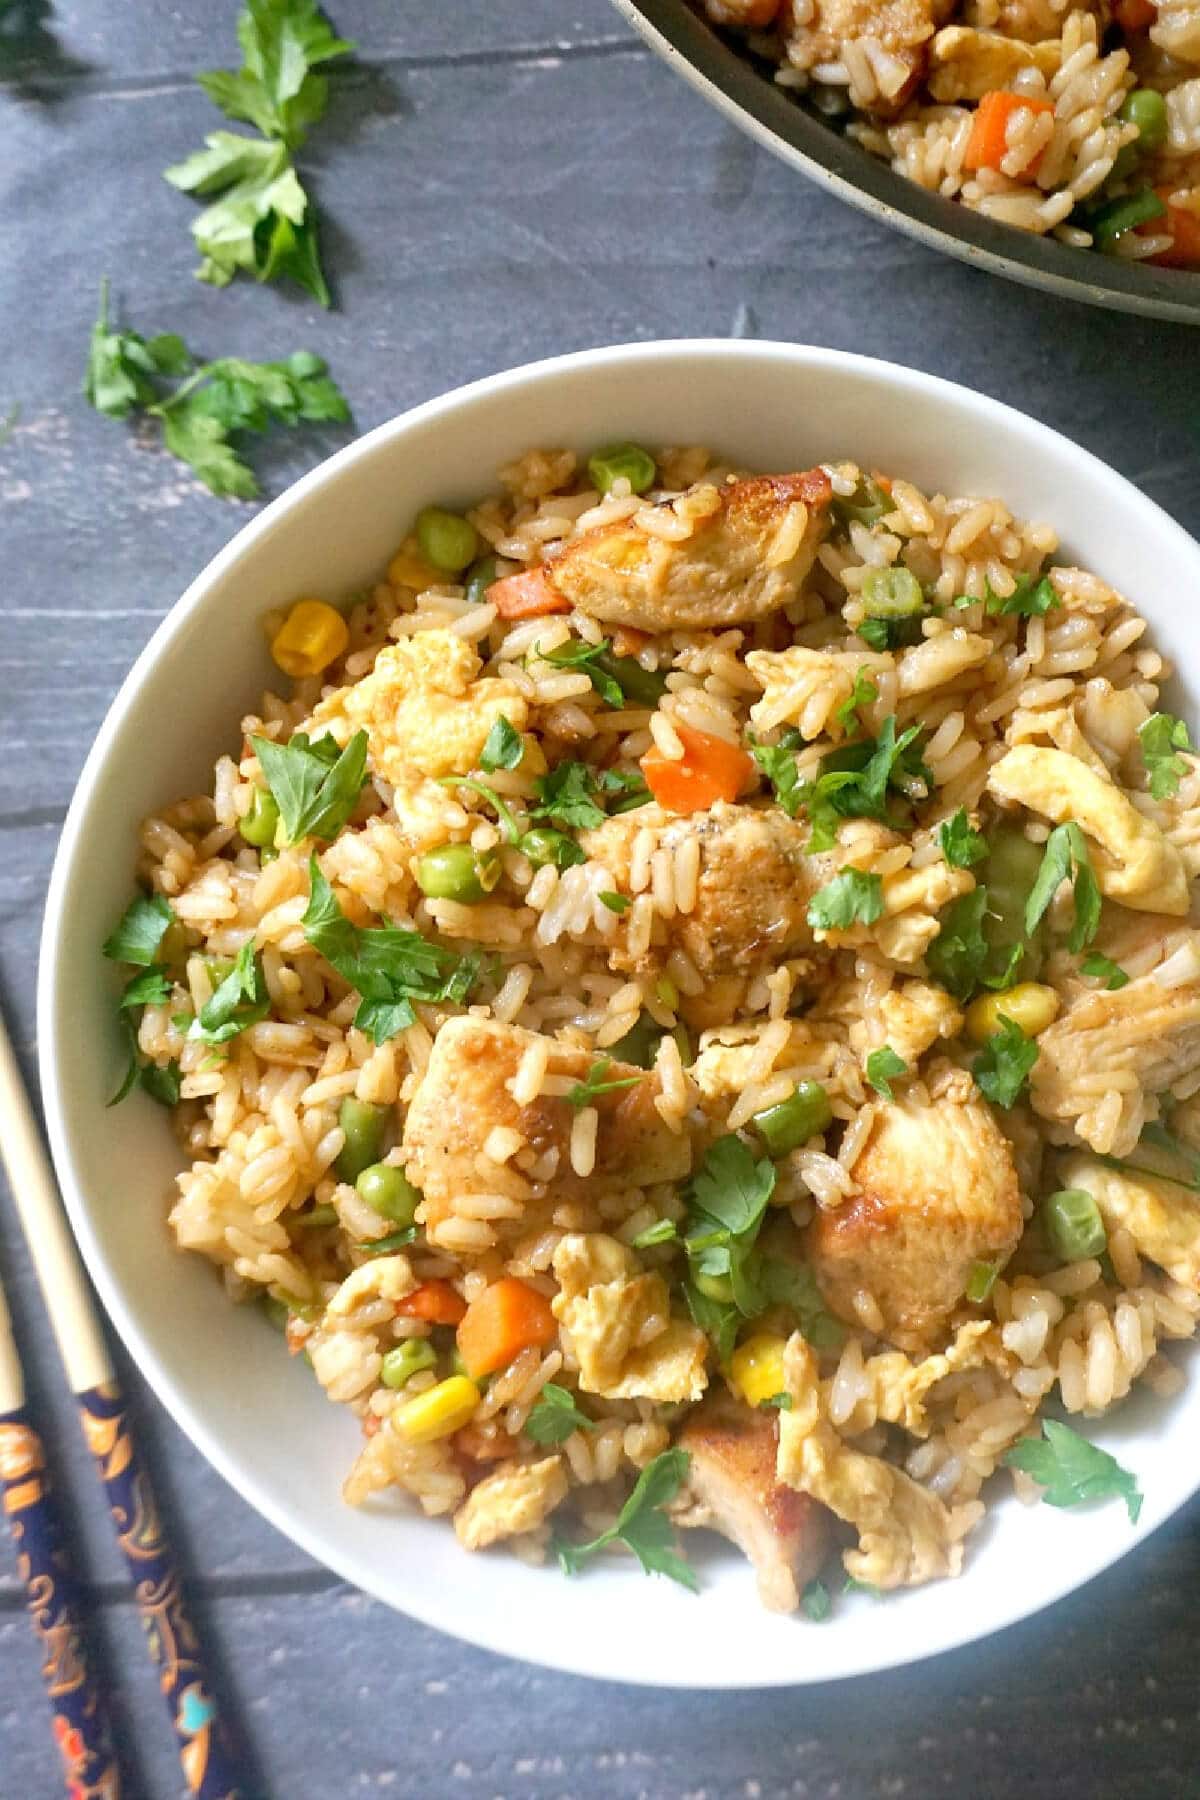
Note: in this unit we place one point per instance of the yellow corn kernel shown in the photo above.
(1030, 1004)
(311, 637)
(438, 1411)
(407, 569)
(756, 1367)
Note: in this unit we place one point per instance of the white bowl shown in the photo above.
(257, 1414)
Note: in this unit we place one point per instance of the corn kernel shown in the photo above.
(407, 569)
(1030, 1004)
(756, 1367)
(438, 1411)
(311, 637)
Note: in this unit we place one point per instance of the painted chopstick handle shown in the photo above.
(209, 1763)
(81, 1728)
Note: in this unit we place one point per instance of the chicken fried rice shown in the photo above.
(1081, 121)
(687, 1014)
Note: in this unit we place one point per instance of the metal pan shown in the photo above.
(733, 83)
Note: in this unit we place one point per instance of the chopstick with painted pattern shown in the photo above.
(209, 1762)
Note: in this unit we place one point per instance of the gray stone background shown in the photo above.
(499, 181)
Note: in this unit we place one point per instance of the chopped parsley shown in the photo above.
(1002, 1067)
(663, 1231)
(162, 1083)
(857, 780)
(151, 988)
(240, 1001)
(891, 634)
(853, 897)
(962, 846)
(863, 694)
(1066, 858)
(781, 1402)
(884, 1067)
(576, 654)
(1161, 737)
(503, 747)
(144, 924)
(314, 784)
(816, 1602)
(555, 1417)
(1103, 968)
(778, 764)
(596, 1083)
(1072, 1470)
(1032, 597)
(642, 1525)
(616, 903)
(567, 795)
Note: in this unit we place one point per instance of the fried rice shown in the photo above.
(688, 1014)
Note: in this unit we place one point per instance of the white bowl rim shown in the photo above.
(273, 518)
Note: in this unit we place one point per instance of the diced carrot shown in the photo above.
(527, 595)
(710, 769)
(506, 1318)
(987, 145)
(1184, 227)
(1134, 15)
(435, 1301)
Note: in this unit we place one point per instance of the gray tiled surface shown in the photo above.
(501, 181)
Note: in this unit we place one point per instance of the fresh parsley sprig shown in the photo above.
(643, 1526)
(314, 782)
(1103, 968)
(1161, 737)
(1002, 1067)
(568, 795)
(240, 1001)
(962, 846)
(555, 1417)
(883, 1067)
(853, 897)
(1071, 1470)
(1066, 858)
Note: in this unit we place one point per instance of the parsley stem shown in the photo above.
(509, 825)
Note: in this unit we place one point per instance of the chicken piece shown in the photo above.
(965, 64)
(511, 1501)
(894, 35)
(742, 15)
(619, 1319)
(1030, 20)
(1162, 1217)
(744, 558)
(906, 1534)
(937, 1192)
(423, 707)
(805, 688)
(1104, 1060)
(735, 1491)
(1134, 862)
(465, 1094)
(912, 1017)
(895, 1390)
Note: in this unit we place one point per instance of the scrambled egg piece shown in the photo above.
(1162, 1218)
(805, 687)
(384, 1278)
(937, 1192)
(424, 708)
(619, 1320)
(1144, 1037)
(750, 547)
(913, 1016)
(896, 1389)
(906, 1534)
(939, 660)
(516, 1498)
(1135, 863)
(965, 64)
(723, 1063)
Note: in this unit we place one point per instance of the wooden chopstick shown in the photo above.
(205, 1750)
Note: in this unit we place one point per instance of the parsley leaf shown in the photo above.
(627, 787)
(595, 1084)
(122, 365)
(862, 694)
(781, 1402)
(240, 1001)
(1104, 969)
(567, 795)
(730, 1188)
(959, 952)
(816, 1602)
(143, 926)
(503, 748)
(1072, 1470)
(778, 764)
(884, 1067)
(576, 654)
(556, 1417)
(616, 903)
(151, 988)
(642, 1525)
(1066, 856)
(314, 784)
(1002, 1067)
(891, 634)
(1160, 737)
(719, 1320)
(857, 781)
(663, 1231)
(162, 1084)
(962, 846)
(1031, 598)
(783, 1281)
(276, 89)
(850, 897)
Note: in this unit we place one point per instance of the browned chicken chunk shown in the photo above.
(743, 15)
(732, 1479)
(743, 559)
(938, 1192)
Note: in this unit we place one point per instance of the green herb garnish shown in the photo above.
(144, 924)
(884, 1067)
(314, 784)
(1104, 969)
(852, 897)
(555, 1417)
(962, 846)
(1066, 858)
(503, 748)
(864, 693)
(1031, 598)
(1002, 1067)
(1072, 1470)
(816, 1602)
(1160, 737)
(596, 1083)
(642, 1524)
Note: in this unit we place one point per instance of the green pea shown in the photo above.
(480, 577)
(804, 1113)
(541, 846)
(258, 825)
(622, 461)
(1146, 108)
(363, 1127)
(457, 872)
(446, 539)
(405, 1361)
(714, 1287)
(645, 686)
(866, 505)
(1072, 1224)
(388, 1192)
(892, 593)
